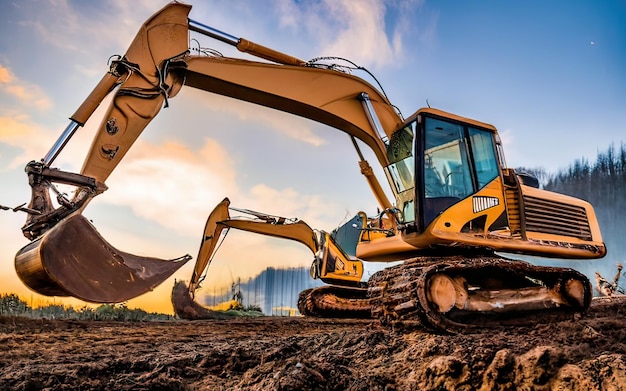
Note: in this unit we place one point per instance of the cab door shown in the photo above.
(457, 160)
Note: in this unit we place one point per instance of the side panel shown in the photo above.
(482, 221)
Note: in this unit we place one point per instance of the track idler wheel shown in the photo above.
(575, 291)
(446, 293)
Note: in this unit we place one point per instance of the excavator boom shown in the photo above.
(152, 71)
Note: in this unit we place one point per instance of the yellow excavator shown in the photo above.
(456, 206)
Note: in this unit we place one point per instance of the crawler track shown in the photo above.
(334, 302)
(478, 292)
(401, 293)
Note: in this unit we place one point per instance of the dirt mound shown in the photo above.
(581, 353)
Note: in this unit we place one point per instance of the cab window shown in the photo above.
(484, 156)
(458, 161)
(446, 164)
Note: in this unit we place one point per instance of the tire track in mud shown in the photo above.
(581, 353)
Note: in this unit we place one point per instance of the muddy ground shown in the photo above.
(582, 353)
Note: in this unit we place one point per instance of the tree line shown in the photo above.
(12, 305)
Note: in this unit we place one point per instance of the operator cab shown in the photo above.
(453, 156)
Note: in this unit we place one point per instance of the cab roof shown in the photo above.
(454, 117)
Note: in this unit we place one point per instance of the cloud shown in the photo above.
(19, 132)
(361, 33)
(172, 184)
(87, 30)
(5, 75)
(370, 32)
(316, 210)
(24, 92)
(287, 124)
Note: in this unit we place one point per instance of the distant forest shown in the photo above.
(603, 184)
(12, 305)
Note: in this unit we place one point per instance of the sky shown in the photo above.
(548, 74)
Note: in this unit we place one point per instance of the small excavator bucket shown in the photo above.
(73, 259)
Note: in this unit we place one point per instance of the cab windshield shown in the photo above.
(458, 161)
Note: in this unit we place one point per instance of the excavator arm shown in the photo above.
(330, 262)
(157, 65)
(153, 70)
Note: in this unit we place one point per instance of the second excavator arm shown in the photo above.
(324, 248)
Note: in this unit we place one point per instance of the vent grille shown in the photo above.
(552, 217)
(512, 206)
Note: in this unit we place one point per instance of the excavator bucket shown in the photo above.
(73, 259)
